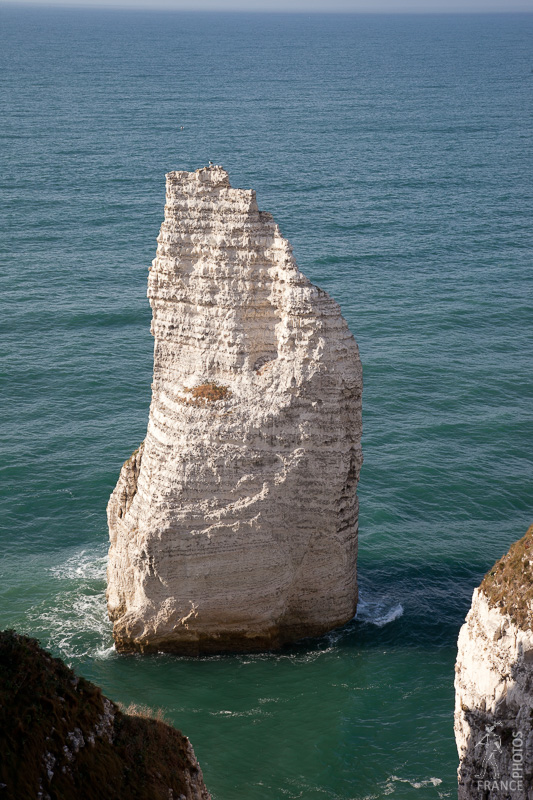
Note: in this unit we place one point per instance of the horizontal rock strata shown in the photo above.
(234, 525)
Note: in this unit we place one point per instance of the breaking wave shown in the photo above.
(390, 787)
(378, 612)
(73, 621)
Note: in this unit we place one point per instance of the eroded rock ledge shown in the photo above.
(494, 683)
(61, 739)
(234, 527)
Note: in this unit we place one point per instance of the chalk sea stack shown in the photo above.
(233, 527)
(494, 682)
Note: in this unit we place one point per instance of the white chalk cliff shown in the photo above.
(494, 683)
(234, 525)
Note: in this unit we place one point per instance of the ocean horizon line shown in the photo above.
(282, 12)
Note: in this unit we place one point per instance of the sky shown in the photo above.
(309, 6)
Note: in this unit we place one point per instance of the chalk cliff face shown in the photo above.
(234, 525)
(494, 683)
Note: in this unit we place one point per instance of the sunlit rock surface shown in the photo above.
(234, 525)
(494, 683)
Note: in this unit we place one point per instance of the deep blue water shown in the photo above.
(395, 153)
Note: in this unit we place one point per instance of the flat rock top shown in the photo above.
(213, 176)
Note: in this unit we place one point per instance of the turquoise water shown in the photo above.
(395, 153)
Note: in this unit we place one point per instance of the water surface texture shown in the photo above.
(395, 153)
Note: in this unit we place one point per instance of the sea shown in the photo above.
(395, 152)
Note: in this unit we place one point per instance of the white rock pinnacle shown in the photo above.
(234, 525)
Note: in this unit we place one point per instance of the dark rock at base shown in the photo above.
(61, 739)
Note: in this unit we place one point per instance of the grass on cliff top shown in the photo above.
(509, 584)
(44, 707)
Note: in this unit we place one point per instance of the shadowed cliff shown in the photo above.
(61, 739)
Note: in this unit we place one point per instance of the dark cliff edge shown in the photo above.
(61, 739)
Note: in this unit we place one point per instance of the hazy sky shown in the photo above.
(433, 6)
